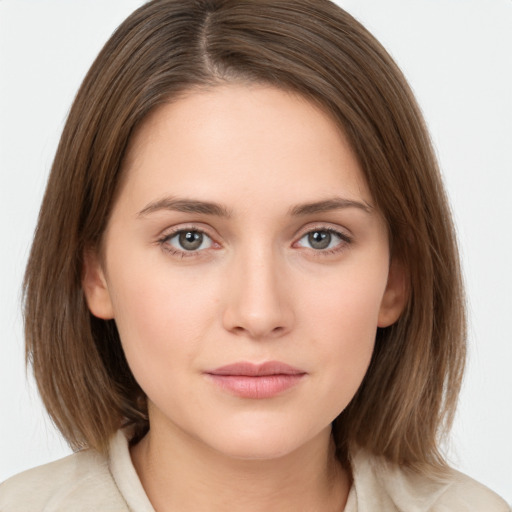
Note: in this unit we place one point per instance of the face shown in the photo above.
(246, 268)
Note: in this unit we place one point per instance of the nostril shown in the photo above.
(258, 332)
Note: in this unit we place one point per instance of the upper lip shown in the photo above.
(249, 369)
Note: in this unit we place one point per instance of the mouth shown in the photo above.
(256, 381)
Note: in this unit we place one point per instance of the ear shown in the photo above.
(95, 287)
(395, 296)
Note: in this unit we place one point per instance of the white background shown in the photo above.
(457, 55)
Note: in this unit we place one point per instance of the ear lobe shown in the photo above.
(395, 296)
(95, 287)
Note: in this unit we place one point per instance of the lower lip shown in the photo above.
(262, 386)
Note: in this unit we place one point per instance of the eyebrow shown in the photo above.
(335, 203)
(215, 209)
(185, 206)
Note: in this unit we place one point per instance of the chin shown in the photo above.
(260, 444)
(262, 450)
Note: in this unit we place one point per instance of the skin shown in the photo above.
(259, 288)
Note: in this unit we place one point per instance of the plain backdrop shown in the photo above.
(457, 55)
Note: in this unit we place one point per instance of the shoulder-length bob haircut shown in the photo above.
(310, 47)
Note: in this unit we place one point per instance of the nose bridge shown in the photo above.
(258, 305)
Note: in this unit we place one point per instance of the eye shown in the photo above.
(322, 239)
(189, 240)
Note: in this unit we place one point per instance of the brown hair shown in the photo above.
(311, 47)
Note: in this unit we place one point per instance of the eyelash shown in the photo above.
(163, 242)
(165, 239)
(344, 242)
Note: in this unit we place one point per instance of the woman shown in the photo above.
(244, 293)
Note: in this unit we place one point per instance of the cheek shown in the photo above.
(346, 303)
(342, 318)
(161, 315)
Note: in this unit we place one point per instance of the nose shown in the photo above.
(257, 303)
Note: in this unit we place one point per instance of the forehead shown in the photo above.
(244, 139)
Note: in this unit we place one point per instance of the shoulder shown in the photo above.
(79, 482)
(465, 494)
(380, 485)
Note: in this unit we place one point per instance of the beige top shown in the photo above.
(87, 481)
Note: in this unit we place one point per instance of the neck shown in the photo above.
(183, 474)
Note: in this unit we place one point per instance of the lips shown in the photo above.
(256, 381)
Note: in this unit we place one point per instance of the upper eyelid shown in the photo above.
(172, 231)
(341, 231)
(344, 239)
(163, 239)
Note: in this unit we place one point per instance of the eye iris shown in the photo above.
(190, 240)
(319, 239)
